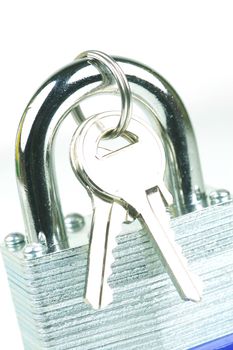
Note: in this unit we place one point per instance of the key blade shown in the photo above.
(106, 224)
(117, 216)
(97, 254)
(156, 219)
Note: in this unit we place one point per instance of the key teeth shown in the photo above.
(106, 297)
(112, 255)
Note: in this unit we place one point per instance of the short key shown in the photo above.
(106, 224)
(133, 176)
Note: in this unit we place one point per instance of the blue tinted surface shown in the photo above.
(224, 343)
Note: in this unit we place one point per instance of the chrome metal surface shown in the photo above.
(109, 65)
(146, 312)
(34, 250)
(74, 222)
(219, 196)
(63, 93)
(113, 176)
(14, 239)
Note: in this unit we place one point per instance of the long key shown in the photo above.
(130, 176)
(106, 224)
(155, 218)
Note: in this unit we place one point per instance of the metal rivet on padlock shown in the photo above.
(74, 222)
(48, 267)
(15, 241)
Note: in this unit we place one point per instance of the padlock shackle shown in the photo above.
(60, 95)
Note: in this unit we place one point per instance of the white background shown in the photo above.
(188, 42)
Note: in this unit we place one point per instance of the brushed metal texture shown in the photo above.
(147, 312)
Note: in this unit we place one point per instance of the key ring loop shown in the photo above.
(123, 85)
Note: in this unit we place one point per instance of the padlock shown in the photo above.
(47, 266)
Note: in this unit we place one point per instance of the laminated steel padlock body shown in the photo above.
(63, 93)
(146, 312)
(47, 287)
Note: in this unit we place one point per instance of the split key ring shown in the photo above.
(126, 97)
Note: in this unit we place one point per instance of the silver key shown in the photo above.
(132, 177)
(106, 224)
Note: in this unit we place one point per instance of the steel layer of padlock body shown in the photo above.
(146, 312)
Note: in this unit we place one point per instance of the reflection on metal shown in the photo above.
(219, 196)
(14, 241)
(146, 312)
(63, 93)
(74, 222)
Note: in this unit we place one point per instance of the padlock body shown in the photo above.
(147, 313)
